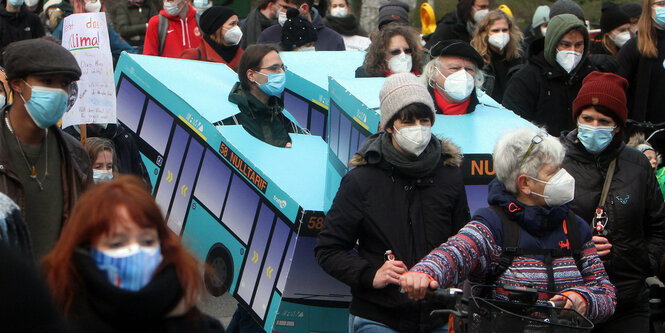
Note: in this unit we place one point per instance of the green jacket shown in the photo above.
(660, 176)
(131, 21)
(265, 122)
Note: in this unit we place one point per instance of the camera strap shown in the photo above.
(600, 219)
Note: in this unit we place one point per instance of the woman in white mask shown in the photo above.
(404, 194)
(341, 20)
(394, 49)
(614, 33)
(101, 152)
(220, 38)
(530, 212)
(498, 41)
(117, 267)
(452, 76)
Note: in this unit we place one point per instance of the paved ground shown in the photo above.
(221, 307)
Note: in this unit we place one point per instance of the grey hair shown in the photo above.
(511, 148)
(430, 73)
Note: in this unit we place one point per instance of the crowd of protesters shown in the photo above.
(85, 217)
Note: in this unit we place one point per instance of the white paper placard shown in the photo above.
(86, 37)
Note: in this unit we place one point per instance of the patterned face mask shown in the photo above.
(130, 267)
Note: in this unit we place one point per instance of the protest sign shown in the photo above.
(93, 96)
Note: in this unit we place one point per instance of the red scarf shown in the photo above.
(450, 109)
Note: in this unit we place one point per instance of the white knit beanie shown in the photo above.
(400, 90)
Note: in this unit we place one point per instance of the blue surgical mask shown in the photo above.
(46, 105)
(129, 268)
(101, 176)
(275, 84)
(594, 138)
(16, 3)
(660, 16)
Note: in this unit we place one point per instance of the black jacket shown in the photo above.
(384, 210)
(601, 57)
(646, 80)
(98, 306)
(543, 93)
(634, 206)
(21, 25)
(497, 74)
(451, 26)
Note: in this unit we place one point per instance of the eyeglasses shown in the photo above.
(538, 138)
(275, 68)
(399, 51)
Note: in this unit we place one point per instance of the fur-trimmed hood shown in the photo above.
(452, 155)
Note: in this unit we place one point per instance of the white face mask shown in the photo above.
(173, 8)
(400, 63)
(480, 15)
(413, 139)
(543, 30)
(499, 40)
(458, 85)
(339, 12)
(559, 190)
(31, 3)
(568, 59)
(281, 17)
(201, 5)
(93, 7)
(3, 100)
(621, 38)
(233, 36)
(101, 176)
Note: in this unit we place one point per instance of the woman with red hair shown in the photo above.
(118, 268)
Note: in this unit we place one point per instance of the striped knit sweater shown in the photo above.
(473, 252)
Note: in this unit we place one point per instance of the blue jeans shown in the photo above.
(362, 325)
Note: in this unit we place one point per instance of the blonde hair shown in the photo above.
(609, 45)
(479, 42)
(646, 34)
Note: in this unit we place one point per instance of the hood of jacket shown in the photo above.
(317, 21)
(191, 14)
(536, 220)
(452, 155)
(557, 28)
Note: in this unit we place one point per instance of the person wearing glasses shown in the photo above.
(461, 23)
(43, 169)
(258, 96)
(394, 49)
(641, 63)
(543, 91)
(404, 196)
(452, 77)
(529, 213)
(629, 220)
(498, 40)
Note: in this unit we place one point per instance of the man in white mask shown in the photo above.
(181, 33)
(452, 76)
(404, 196)
(327, 39)
(543, 90)
(220, 38)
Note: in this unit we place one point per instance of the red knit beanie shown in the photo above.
(604, 89)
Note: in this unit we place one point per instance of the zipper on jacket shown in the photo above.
(183, 32)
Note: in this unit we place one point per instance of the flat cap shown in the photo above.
(39, 57)
(458, 48)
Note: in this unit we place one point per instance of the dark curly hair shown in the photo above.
(375, 63)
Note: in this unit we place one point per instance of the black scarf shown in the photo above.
(226, 52)
(378, 149)
(347, 25)
(120, 307)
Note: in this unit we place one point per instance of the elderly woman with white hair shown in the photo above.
(452, 76)
(529, 223)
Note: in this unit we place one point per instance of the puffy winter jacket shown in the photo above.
(634, 206)
(381, 209)
(476, 250)
(181, 34)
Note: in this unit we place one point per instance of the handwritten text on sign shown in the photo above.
(86, 37)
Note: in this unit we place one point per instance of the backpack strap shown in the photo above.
(511, 240)
(162, 30)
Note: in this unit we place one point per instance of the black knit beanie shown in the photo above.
(297, 31)
(612, 17)
(632, 9)
(213, 18)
